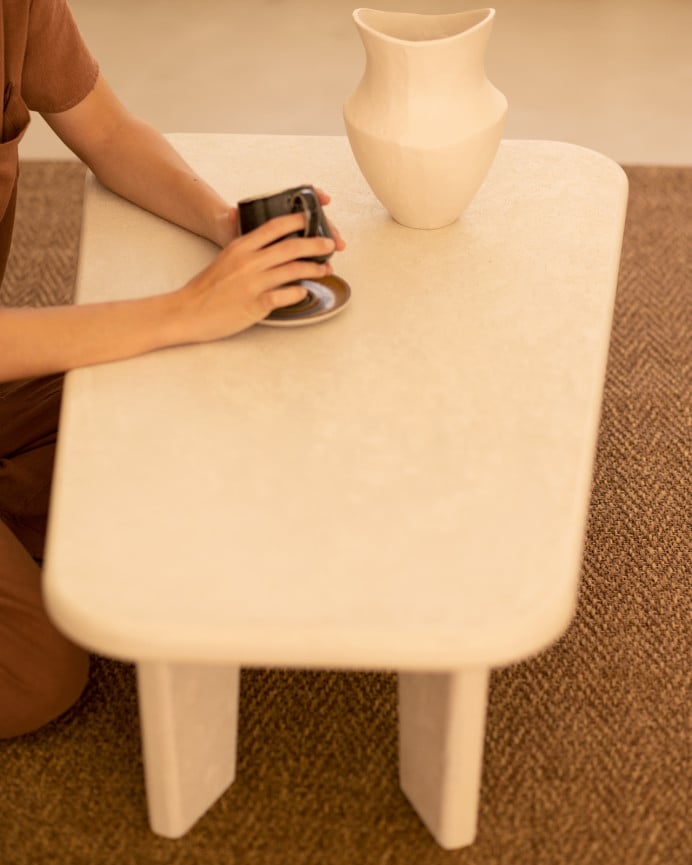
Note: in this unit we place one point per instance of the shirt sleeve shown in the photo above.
(59, 71)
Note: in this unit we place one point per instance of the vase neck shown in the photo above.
(441, 45)
(413, 28)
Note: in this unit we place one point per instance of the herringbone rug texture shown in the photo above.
(587, 756)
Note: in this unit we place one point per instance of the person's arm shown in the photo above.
(244, 283)
(248, 279)
(138, 163)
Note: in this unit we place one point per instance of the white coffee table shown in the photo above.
(402, 487)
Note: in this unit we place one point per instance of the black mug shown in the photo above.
(253, 212)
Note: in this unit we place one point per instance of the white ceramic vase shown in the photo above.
(424, 122)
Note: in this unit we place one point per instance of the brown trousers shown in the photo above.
(41, 672)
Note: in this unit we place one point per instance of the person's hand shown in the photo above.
(250, 278)
(338, 240)
(229, 228)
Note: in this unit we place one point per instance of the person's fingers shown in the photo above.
(259, 270)
(284, 296)
(233, 221)
(339, 242)
(272, 230)
(324, 199)
(281, 226)
(292, 272)
(322, 196)
(294, 248)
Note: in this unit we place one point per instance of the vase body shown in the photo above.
(424, 123)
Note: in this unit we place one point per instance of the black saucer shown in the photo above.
(325, 298)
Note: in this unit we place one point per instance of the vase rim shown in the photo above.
(487, 14)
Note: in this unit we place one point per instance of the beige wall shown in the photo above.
(615, 75)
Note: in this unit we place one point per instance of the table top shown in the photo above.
(402, 486)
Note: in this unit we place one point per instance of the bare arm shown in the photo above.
(247, 280)
(244, 283)
(138, 163)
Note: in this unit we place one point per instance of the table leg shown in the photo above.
(189, 720)
(441, 733)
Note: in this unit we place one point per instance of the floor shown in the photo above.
(614, 75)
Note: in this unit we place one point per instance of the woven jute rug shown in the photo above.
(587, 758)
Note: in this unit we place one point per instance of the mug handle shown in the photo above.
(311, 209)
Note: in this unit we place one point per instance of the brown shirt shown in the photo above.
(45, 67)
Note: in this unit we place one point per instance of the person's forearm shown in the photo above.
(159, 180)
(42, 341)
(138, 163)
(245, 282)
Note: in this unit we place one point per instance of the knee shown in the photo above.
(41, 672)
(38, 693)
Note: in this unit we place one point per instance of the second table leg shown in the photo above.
(441, 734)
(189, 720)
